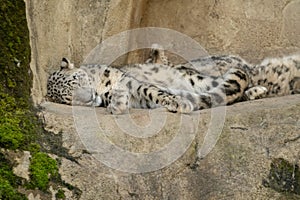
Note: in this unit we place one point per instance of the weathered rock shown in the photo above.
(252, 29)
(254, 135)
(254, 140)
(32, 197)
(22, 169)
(72, 29)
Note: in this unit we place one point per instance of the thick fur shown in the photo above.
(99, 85)
(272, 77)
(179, 88)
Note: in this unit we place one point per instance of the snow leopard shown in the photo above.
(179, 88)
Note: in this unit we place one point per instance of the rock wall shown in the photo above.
(257, 154)
(72, 29)
(252, 29)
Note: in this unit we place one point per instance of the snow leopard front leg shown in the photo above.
(119, 101)
(145, 95)
(256, 92)
(231, 88)
(162, 97)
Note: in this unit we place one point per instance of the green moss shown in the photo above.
(19, 126)
(60, 194)
(8, 181)
(34, 148)
(42, 169)
(284, 177)
(15, 78)
(18, 123)
(8, 192)
(10, 134)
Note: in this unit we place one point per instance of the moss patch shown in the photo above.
(8, 181)
(18, 124)
(20, 129)
(42, 169)
(60, 194)
(15, 78)
(284, 177)
(11, 123)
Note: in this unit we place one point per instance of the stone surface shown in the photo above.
(32, 197)
(22, 169)
(71, 29)
(252, 29)
(252, 135)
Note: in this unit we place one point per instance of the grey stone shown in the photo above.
(22, 169)
(253, 135)
(235, 162)
(251, 29)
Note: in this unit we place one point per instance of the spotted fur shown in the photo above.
(179, 88)
(272, 77)
(100, 85)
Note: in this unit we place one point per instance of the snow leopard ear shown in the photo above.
(65, 63)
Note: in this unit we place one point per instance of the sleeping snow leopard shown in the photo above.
(179, 88)
(118, 90)
(101, 85)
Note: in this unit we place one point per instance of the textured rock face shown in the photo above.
(72, 29)
(253, 137)
(252, 29)
(22, 169)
